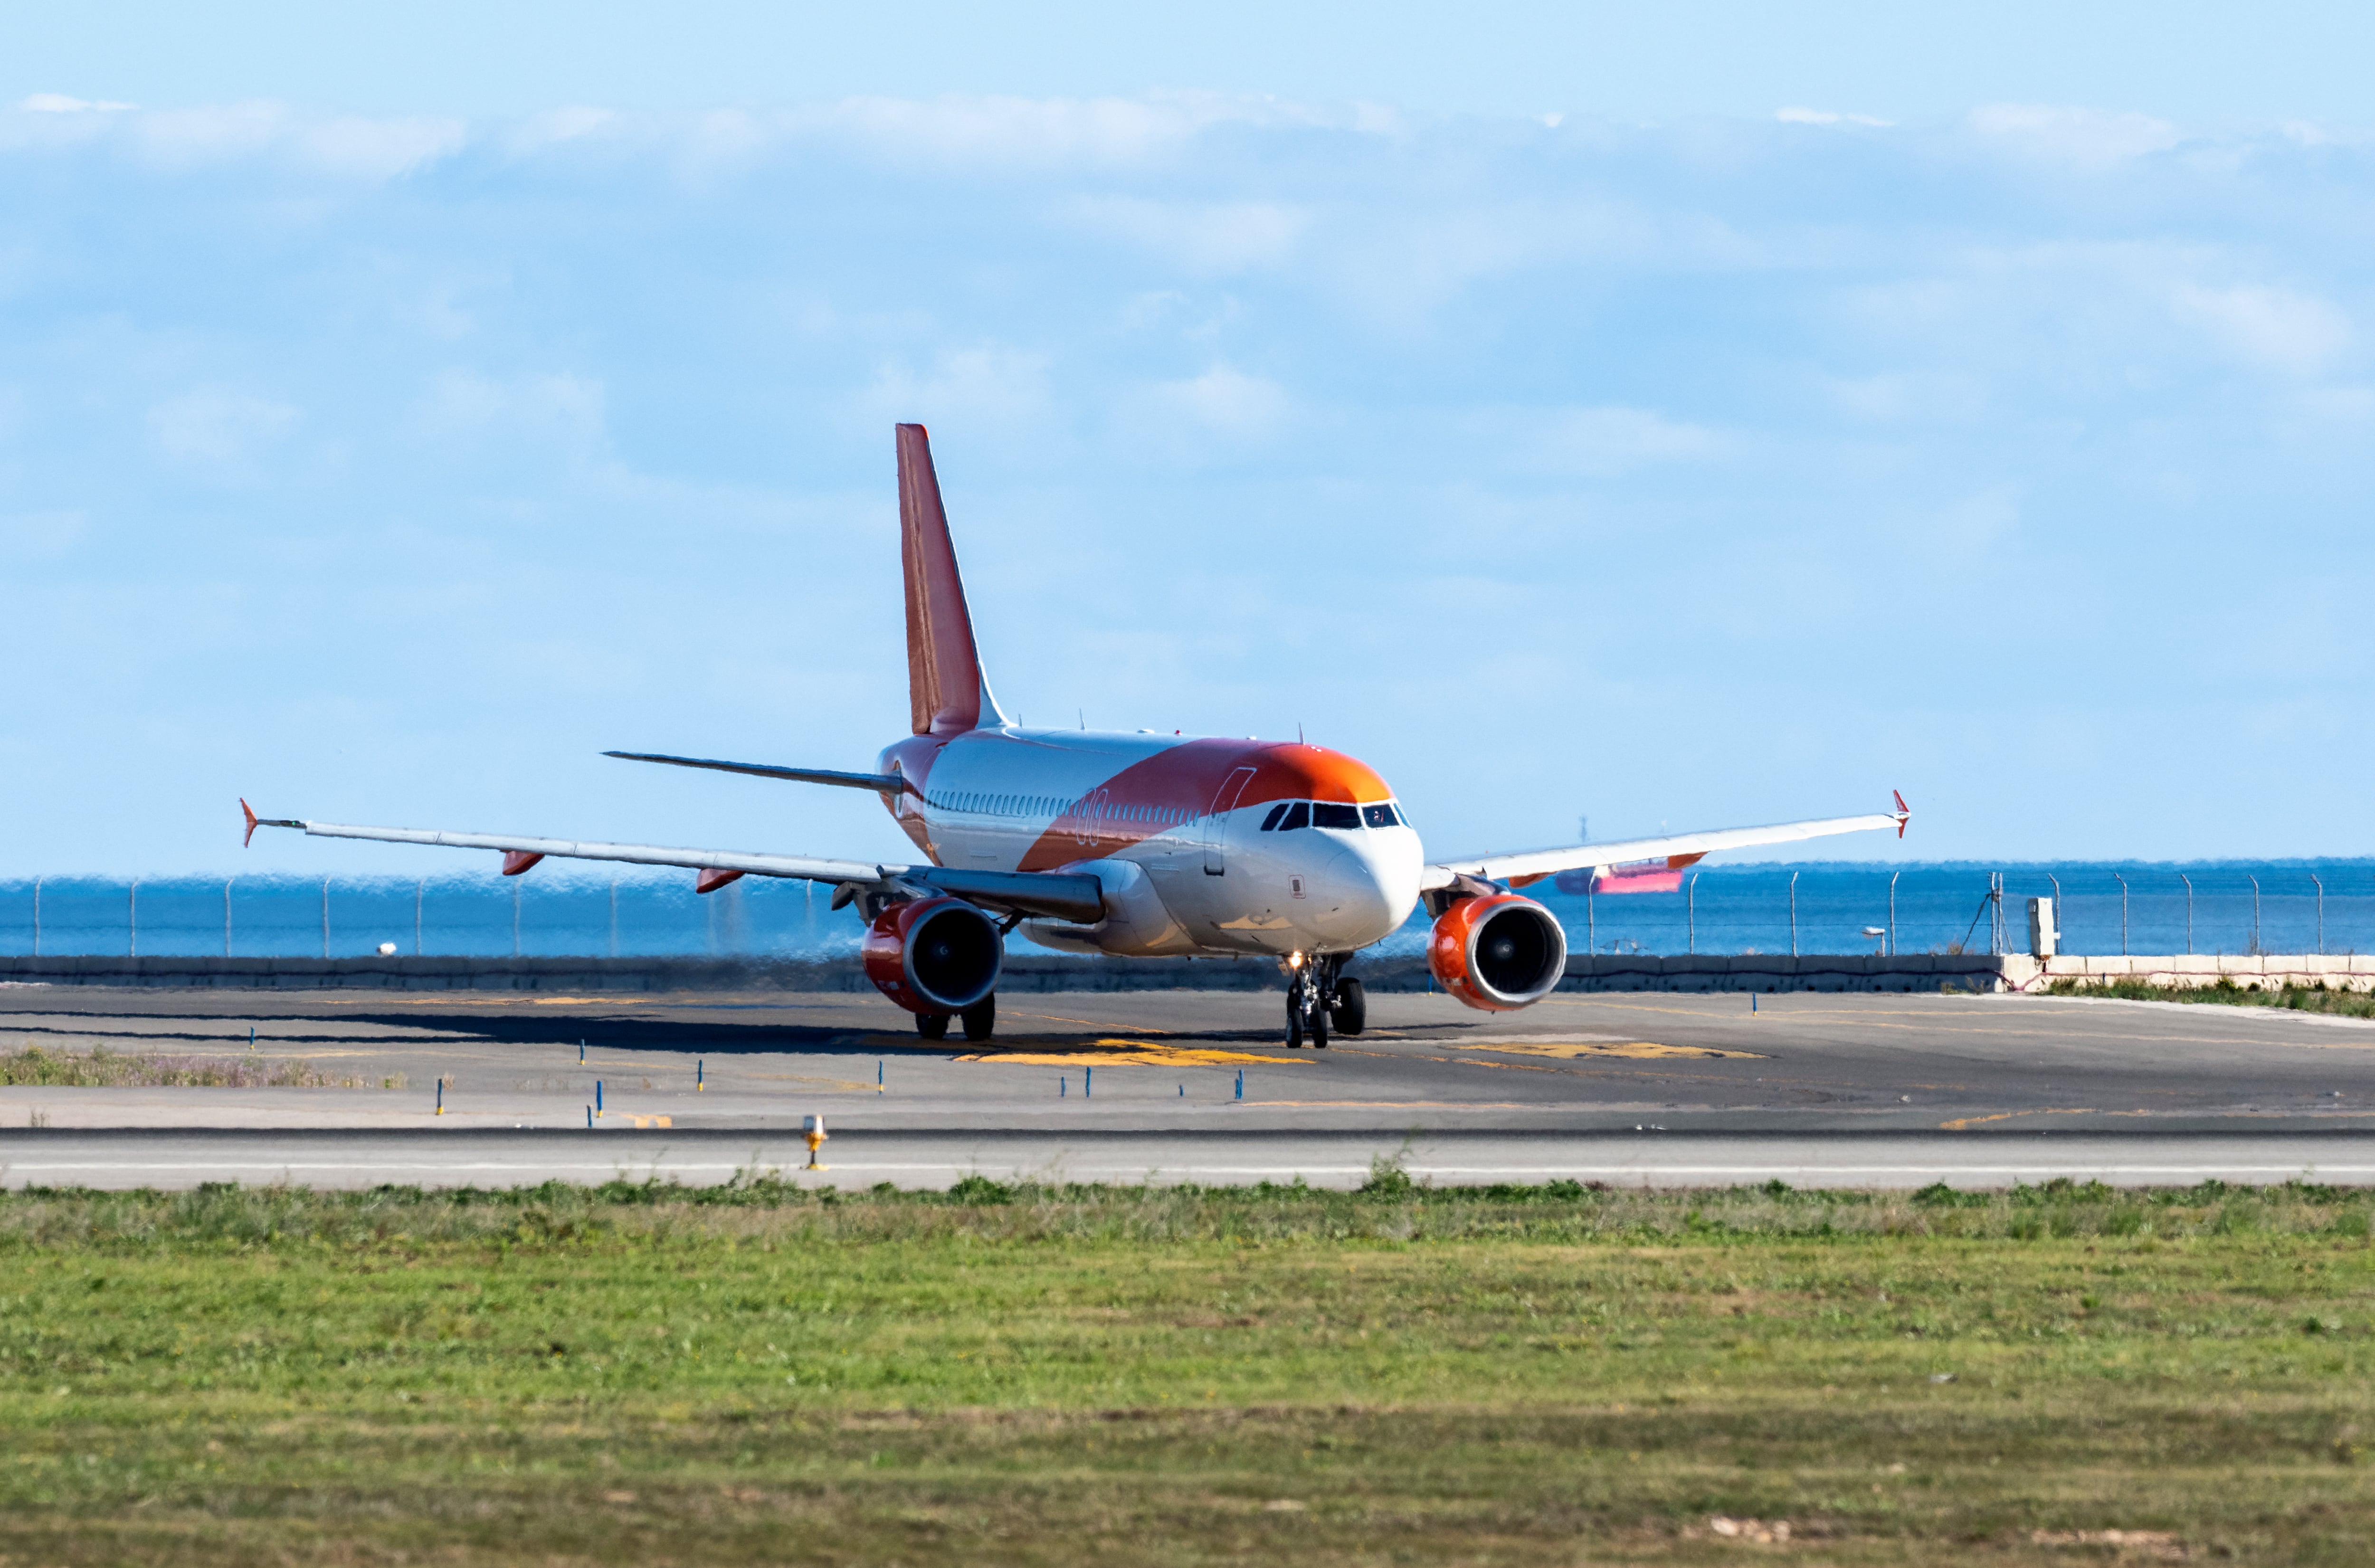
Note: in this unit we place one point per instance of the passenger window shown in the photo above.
(1271, 822)
(1297, 816)
(1326, 815)
(1379, 816)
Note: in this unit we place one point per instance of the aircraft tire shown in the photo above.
(1294, 1019)
(981, 1018)
(1352, 1010)
(932, 1026)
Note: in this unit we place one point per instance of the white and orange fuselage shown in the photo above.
(1201, 845)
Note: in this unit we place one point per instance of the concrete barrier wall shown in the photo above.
(2269, 971)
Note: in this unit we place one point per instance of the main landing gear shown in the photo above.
(1317, 995)
(980, 1020)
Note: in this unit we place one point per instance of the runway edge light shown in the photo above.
(813, 1127)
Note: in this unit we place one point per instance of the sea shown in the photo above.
(2287, 906)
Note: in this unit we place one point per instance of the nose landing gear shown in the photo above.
(1317, 997)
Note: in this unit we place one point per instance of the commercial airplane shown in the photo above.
(1136, 844)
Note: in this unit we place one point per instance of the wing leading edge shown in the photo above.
(888, 783)
(1681, 849)
(1072, 896)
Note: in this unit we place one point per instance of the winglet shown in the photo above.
(1904, 812)
(254, 821)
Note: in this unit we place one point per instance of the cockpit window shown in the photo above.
(1298, 815)
(1380, 816)
(1271, 822)
(1325, 814)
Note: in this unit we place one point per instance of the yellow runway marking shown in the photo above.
(1959, 1123)
(1093, 1024)
(1130, 1052)
(1568, 1050)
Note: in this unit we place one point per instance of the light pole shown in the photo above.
(1892, 911)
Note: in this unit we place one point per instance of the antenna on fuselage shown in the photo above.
(1085, 716)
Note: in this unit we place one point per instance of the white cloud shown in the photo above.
(59, 103)
(1799, 116)
(571, 409)
(1606, 441)
(1988, 517)
(366, 148)
(217, 427)
(988, 384)
(1020, 133)
(2093, 141)
(1205, 237)
(2275, 329)
(1223, 401)
(348, 145)
(556, 127)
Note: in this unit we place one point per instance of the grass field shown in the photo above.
(2226, 992)
(1546, 1375)
(103, 1068)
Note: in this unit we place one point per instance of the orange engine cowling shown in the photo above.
(934, 955)
(1498, 952)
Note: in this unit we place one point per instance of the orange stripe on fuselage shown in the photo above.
(1185, 778)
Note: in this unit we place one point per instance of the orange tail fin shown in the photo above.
(945, 685)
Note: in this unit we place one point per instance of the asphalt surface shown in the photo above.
(1665, 1088)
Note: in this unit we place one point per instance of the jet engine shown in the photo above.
(1498, 951)
(939, 955)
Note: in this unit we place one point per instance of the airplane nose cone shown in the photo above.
(1370, 884)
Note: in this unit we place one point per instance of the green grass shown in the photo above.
(1514, 1375)
(37, 1066)
(2226, 992)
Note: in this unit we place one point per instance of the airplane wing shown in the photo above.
(1522, 867)
(889, 783)
(1073, 896)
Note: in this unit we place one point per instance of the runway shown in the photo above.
(1871, 1091)
(360, 1159)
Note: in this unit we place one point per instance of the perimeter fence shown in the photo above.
(2312, 907)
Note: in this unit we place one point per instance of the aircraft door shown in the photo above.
(1216, 824)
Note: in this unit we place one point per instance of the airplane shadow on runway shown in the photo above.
(678, 1036)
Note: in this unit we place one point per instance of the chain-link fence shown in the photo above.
(343, 918)
(2321, 906)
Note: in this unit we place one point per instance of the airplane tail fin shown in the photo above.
(946, 687)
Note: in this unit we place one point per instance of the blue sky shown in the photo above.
(1689, 421)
